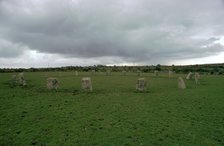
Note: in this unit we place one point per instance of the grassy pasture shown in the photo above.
(114, 113)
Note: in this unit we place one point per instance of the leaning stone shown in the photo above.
(52, 83)
(181, 83)
(189, 76)
(87, 84)
(141, 84)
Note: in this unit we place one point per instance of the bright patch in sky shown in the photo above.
(206, 60)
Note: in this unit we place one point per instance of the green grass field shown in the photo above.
(114, 113)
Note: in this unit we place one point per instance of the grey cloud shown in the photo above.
(9, 49)
(141, 31)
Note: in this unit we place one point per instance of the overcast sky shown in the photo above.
(41, 33)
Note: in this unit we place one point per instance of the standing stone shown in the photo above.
(87, 84)
(76, 73)
(108, 73)
(124, 73)
(189, 76)
(18, 80)
(170, 73)
(156, 73)
(139, 73)
(52, 83)
(197, 78)
(181, 83)
(141, 84)
(21, 80)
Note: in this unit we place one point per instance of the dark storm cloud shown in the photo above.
(144, 31)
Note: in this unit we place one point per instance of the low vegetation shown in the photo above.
(114, 113)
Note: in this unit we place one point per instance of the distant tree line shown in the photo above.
(205, 68)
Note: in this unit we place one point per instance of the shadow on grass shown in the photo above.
(142, 91)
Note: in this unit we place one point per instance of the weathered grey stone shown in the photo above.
(21, 80)
(197, 78)
(189, 76)
(181, 83)
(141, 84)
(52, 83)
(156, 73)
(18, 80)
(87, 84)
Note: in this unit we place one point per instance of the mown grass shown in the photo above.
(114, 113)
